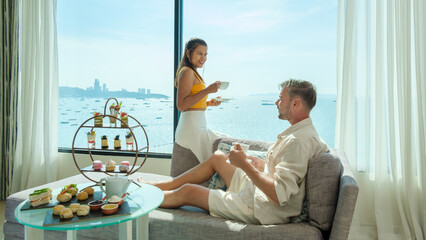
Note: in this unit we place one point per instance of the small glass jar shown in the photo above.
(104, 141)
(129, 142)
(117, 142)
(91, 139)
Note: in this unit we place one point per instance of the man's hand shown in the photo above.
(257, 162)
(238, 157)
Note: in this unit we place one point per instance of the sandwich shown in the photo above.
(40, 197)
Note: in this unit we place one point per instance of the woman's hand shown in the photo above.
(214, 87)
(213, 102)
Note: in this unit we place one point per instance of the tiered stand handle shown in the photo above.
(134, 168)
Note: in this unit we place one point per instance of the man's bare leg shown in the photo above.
(188, 194)
(201, 173)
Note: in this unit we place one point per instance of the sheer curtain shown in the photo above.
(381, 114)
(36, 152)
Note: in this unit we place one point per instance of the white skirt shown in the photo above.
(192, 133)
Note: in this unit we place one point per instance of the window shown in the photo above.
(258, 44)
(121, 49)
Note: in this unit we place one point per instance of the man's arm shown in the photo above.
(265, 183)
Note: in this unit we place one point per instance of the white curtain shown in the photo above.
(381, 114)
(37, 149)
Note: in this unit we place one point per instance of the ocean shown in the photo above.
(250, 117)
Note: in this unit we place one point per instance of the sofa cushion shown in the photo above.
(322, 189)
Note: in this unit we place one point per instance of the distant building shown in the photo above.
(141, 91)
(97, 86)
(148, 91)
(104, 88)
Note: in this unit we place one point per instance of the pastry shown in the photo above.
(74, 207)
(82, 196)
(89, 190)
(40, 197)
(71, 188)
(64, 197)
(98, 119)
(91, 139)
(117, 142)
(129, 141)
(104, 141)
(118, 107)
(125, 163)
(124, 119)
(110, 166)
(66, 213)
(123, 168)
(113, 115)
(97, 165)
(83, 210)
(57, 209)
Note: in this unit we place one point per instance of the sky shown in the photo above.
(253, 44)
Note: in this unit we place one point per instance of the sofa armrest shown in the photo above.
(348, 194)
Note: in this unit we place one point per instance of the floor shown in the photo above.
(2, 207)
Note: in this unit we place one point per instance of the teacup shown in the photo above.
(223, 85)
(244, 146)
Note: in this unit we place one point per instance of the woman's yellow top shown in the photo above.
(197, 88)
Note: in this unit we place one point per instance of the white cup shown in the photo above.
(244, 146)
(223, 85)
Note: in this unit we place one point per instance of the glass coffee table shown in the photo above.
(141, 200)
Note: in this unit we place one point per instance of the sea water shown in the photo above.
(250, 117)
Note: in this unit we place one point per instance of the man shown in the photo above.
(259, 192)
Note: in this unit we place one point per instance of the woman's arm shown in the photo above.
(184, 98)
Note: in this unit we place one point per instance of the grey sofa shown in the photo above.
(331, 196)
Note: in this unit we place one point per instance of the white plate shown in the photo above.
(222, 99)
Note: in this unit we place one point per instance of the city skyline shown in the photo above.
(97, 91)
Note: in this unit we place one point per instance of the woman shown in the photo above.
(192, 132)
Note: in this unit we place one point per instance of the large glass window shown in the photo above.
(121, 49)
(124, 49)
(255, 45)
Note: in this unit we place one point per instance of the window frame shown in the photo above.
(178, 36)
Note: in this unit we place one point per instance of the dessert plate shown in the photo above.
(222, 99)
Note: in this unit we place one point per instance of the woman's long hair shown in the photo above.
(190, 45)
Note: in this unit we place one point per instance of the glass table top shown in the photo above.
(141, 200)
